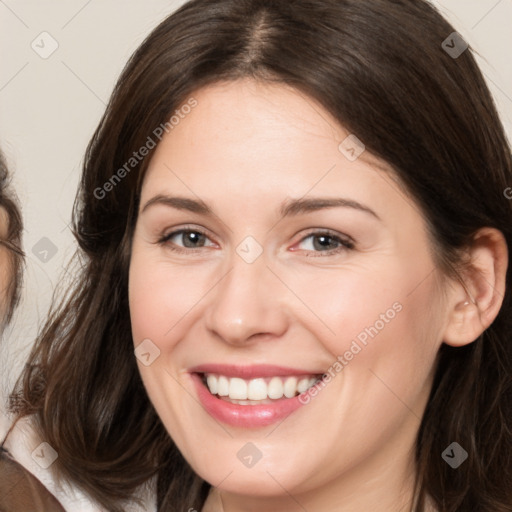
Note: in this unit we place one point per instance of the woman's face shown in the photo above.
(263, 257)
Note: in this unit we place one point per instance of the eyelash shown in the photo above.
(345, 243)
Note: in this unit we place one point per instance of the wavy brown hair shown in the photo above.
(379, 68)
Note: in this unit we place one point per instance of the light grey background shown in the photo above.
(49, 108)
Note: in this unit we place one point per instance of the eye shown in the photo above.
(185, 239)
(325, 242)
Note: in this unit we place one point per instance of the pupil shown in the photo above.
(191, 239)
(323, 242)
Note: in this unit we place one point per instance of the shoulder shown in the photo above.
(20, 490)
(23, 447)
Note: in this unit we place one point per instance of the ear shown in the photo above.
(476, 302)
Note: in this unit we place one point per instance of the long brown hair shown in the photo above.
(378, 66)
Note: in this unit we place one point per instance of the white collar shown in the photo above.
(22, 444)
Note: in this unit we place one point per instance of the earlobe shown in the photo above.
(475, 303)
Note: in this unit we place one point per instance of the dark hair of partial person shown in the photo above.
(12, 241)
(379, 68)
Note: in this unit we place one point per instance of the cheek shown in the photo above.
(349, 303)
(384, 323)
(160, 297)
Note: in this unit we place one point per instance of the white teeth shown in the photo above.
(275, 388)
(250, 392)
(245, 402)
(257, 389)
(222, 386)
(301, 386)
(237, 389)
(212, 384)
(290, 387)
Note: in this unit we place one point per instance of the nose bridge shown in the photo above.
(246, 302)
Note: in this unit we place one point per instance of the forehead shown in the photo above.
(251, 143)
(249, 116)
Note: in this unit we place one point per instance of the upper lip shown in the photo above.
(250, 372)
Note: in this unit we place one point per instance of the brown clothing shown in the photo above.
(20, 491)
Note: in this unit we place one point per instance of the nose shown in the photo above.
(248, 304)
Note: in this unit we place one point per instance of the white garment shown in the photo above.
(24, 447)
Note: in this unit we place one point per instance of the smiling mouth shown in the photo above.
(259, 391)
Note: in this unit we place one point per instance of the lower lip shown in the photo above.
(246, 416)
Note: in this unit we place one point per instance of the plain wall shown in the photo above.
(49, 108)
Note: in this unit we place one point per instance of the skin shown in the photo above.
(244, 150)
(5, 265)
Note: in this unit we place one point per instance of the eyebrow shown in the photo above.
(289, 208)
(298, 206)
(180, 203)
